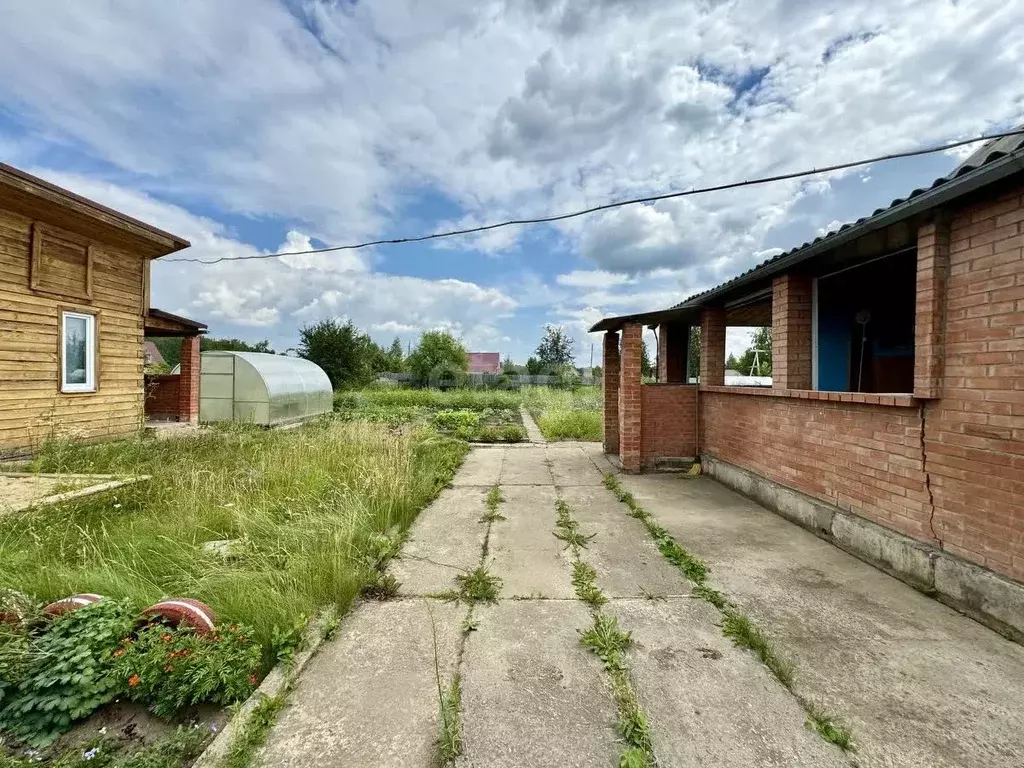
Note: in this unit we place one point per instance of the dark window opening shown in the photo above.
(865, 327)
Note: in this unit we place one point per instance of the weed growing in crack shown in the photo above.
(831, 729)
(648, 595)
(744, 633)
(254, 734)
(634, 727)
(696, 570)
(449, 738)
(568, 530)
(494, 498)
(711, 595)
(381, 586)
(478, 586)
(607, 641)
(584, 580)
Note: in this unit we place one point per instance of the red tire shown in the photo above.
(180, 611)
(72, 603)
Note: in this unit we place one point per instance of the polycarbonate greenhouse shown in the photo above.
(258, 388)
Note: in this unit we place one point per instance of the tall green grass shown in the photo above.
(451, 399)
(564, 414)
(304, 506)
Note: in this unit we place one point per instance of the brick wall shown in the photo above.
(162, 397)
(974, 433)
(712, 339)
(188, 389)
(668, 418)
(864, 458)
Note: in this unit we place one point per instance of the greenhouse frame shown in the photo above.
(258, 388)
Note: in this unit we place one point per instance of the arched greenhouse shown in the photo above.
(259, 388)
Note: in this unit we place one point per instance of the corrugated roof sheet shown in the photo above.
(987, 153)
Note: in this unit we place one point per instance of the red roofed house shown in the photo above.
(894, 425)
(485, 362)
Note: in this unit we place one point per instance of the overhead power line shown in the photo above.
(619, 203)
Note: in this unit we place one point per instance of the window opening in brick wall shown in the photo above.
(864, 326)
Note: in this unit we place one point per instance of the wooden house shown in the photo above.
(74, 312)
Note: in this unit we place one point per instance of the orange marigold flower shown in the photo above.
(165, 637)
(252, 679)
(133, 680)
(119, 652)
(169, 668)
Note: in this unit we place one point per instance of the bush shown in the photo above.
(168, 668)
(70, 672)
(513, 433)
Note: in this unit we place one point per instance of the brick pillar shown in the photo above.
(629, 397)
(610, 383)
(791, 332)
(673, 343)
(712, 347)
(188, 381)
(930, 319)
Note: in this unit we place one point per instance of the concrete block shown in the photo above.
(981, 594)
(895, 553)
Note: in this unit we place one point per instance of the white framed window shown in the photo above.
(77, 352)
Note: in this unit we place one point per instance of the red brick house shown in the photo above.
(894, 426)
(485, 362)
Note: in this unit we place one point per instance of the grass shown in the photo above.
(607, 641)
(449, 738)
(566, 414)
(584, 580)
(744, 633)
(494, 499)
(829, 728)
(309, 510)
(478, 586)
(254, 734)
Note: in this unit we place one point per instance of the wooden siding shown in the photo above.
(32, 407)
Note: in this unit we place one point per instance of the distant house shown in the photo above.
(152, 354)
(74, 312)
(485, 362)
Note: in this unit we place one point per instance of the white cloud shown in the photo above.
(335, 117)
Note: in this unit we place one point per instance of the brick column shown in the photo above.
(188, 381)
(930, 319)
(673, 342)
(712, 347)
(629, 397)
(610, 383)
(791, 332)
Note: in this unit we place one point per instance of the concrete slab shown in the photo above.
(532, 696)
(595, 452)
(709, 702)
(526, 466)
(446, 539)
(481, 467)
(533, 433)
(369, 698)
(523, 550)
(919, 683)
(627, 562)
(570, 465)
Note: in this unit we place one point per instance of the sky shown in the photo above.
(253, 126)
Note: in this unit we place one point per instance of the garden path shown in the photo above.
(918, 683)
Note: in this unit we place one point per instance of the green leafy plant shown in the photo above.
(494, 500)
(169, 668)
(254, 734)
(744, 633)
(607, 641)
(454, 421)
(381, 586)
(584, 579)
(831, 729)
(478, 586)
(513, 433)
(70, 672)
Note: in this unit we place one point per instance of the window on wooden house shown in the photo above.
(77, 352)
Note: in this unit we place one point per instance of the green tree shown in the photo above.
(557, 347)
(693, 354)
(344, 352)
(646, 367)
(761, 341)
(732, 364)
(438, 356)
(507, 366)
(395, 357)
(233, 345)
(534, 367)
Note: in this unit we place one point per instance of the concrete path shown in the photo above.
(920, 684)
(533, 433)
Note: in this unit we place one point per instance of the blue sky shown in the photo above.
(259, 125)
